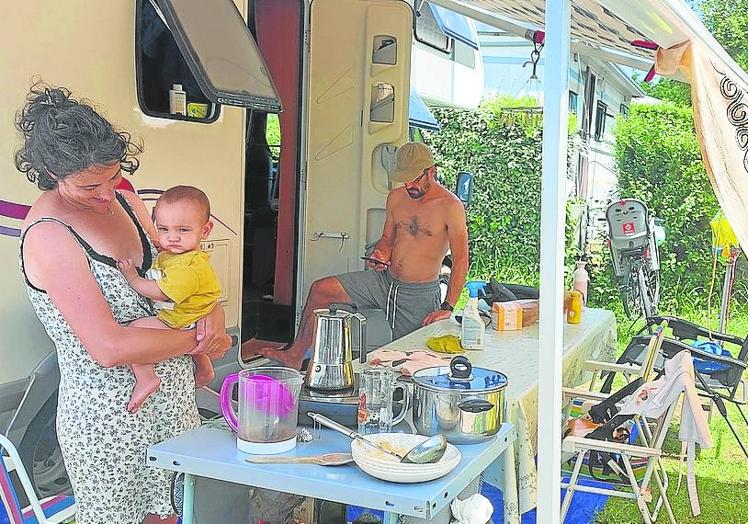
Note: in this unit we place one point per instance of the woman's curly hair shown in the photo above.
(63, 136)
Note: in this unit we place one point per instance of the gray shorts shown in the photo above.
(405, 305)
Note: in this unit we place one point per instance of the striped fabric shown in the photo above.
(50, 506)
(8, 495)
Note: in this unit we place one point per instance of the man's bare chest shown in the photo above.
(419, 224)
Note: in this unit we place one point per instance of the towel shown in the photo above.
(476, 509)
(408, 362)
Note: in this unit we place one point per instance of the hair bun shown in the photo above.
(53, 97)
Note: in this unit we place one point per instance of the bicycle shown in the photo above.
(633, 238)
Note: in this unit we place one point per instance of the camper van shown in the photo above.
(293, 112)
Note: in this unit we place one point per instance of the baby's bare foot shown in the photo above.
(142, 390)
(203, 377)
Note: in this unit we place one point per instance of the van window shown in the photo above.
(160, 65)
(221, 52)
(428, 30)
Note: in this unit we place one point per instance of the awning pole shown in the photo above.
(552, 225)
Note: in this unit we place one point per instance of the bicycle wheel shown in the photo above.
(646, 292)
(629, 292)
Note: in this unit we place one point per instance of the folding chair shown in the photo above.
(718, 377)
(624, 459)
(631, 466)
(52, 510)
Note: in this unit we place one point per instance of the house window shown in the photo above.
(160, 65)
(573, 99)
(624, 110)
(601, 114)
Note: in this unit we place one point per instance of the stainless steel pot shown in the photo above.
(463, 403)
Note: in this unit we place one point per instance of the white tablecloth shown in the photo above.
(516, 353)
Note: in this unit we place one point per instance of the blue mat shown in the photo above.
(584, 506)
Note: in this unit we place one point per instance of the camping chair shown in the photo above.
(630, 464)
(718, 377)
(649, 353)
(51, 510)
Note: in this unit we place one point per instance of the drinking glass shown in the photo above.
(377, 387)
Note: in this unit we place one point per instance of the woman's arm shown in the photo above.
(56, 263)
(141, 212)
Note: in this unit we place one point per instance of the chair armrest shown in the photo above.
(598, 365)
(584, 394)
(573, 444)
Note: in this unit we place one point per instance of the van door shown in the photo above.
(359, 85)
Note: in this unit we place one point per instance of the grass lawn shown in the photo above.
(721, 472)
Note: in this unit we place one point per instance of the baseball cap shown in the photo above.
(410, 160)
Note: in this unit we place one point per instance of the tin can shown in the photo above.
(574, 313)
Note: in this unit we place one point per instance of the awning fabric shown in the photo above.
(720, 108)
(455, 25)
(420, 115)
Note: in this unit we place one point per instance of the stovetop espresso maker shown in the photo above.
(331, 366)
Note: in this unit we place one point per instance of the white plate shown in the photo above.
(384, 467)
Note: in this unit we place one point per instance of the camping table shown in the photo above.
(516, 353)
(211, 452)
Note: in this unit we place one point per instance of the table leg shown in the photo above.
(188, 500)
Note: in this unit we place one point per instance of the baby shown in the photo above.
(184, 286)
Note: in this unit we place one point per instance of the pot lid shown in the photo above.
(460, 376)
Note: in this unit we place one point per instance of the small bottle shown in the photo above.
(574, 313)
(473, 329)
(177, 100)
(581, 279)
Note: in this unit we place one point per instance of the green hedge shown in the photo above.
(503, 150)
(658, 160)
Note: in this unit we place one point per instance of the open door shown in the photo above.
(359, 86)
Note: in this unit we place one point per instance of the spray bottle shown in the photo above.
(581, 279)
(473, 328)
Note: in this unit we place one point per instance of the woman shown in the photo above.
(73, 235)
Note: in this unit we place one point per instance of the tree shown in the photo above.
(728, 22)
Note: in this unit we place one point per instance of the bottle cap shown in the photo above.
(177, 87)
(474, 287)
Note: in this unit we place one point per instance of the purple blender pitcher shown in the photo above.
(268, 408)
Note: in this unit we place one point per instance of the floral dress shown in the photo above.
(103, 445)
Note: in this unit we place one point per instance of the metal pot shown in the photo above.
(463, 403)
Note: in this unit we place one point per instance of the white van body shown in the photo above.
(335, 197)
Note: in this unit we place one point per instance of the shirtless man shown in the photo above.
(424, 220)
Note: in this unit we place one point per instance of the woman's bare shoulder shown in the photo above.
(138, 207)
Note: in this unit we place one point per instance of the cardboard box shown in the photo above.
(507, 315)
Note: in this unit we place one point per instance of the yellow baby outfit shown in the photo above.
(190, 283)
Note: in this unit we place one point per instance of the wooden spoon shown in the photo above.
(328, 459)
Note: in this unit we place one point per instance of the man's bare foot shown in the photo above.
(291, 356)
(203, 377)
(142, 390)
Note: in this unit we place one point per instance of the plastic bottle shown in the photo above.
(581, 279)
(177, 100)
(473, 328)
(574, 313)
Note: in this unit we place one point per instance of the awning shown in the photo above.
(420, 115)
(455, 25)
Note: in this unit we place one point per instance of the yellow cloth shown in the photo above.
(190, 283)
(444, 344)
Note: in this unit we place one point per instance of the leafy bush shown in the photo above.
(659, 162)
(502, 148)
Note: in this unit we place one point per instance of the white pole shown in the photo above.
(552, 222)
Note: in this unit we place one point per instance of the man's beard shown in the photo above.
(415, 194)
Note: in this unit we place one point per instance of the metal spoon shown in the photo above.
(427, 452)
(328, 459)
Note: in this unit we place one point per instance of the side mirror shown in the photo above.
(464, 188)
